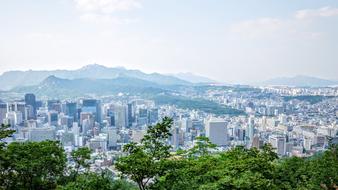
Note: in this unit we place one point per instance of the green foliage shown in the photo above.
(4, 133)
(32, 165)
(145, 160)
(93, 181)
(317, 172)
(238, 168)
(197, 104)
(42, 165)
(202, 147)
(80, 157)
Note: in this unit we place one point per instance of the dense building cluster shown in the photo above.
(294, 126)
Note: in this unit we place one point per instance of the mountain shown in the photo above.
(12, 79)
(56, 87)
(193, 78)
(300, 81)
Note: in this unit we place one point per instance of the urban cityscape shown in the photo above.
(168, 95)
(296, 121)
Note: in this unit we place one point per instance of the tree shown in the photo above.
(33, 165)
(143, 162)
(238, 168)
(4, 133)
(80, 157)
(4, 161)
(94, 181)
(202, 147)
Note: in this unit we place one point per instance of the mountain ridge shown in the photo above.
(299, 81)
(57, 87)
(13, 79)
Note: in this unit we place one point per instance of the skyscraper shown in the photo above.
(216, 131)
(92, 106)
(53, 118)
(130, 114)
(71, 110)
(3, 111)
(31, 101)
(279, 143)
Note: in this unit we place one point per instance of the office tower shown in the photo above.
(216, 131)
(152, 116)
(71, 110)
(3, 111)
(86, 115)
(13, 118)
(98, 143)
(109, 115)
(257, 142)
(31, 101)
(142, 117)
(67, 138)
(38, 104)
(112, 136)
(17, 107)
(279, 143)
(186, 124)
(130, 114)
(120, 116)
(240, 134)
(250, 128)
(177, 138)
(66, 120)
(76, 129)
(41, 134)
(29, 112)
(86, 121)
(53, 117)
(92, 106)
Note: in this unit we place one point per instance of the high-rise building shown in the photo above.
(53, 118)
(216, 131)
(31, 101)
(152, 116)
(112, 136)
(71, 109)
(92, 106)
(98, 143)
(279, 143)
(52, 105)
(41, 134)
(14, 118)
(3, 111)
(120, 116)
(130, 114)
(86, 121)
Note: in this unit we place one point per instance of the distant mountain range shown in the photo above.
(13, 79)
(300, 81)
(193, 78)
(55, 87)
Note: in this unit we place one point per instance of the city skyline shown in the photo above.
(235, 42)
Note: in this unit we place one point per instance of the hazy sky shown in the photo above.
(227, 40)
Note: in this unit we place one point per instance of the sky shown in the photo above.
(233, 41)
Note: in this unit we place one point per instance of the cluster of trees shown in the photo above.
(152, 165)
(197, 104)
(43, 166)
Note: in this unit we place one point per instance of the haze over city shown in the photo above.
(229, 41)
